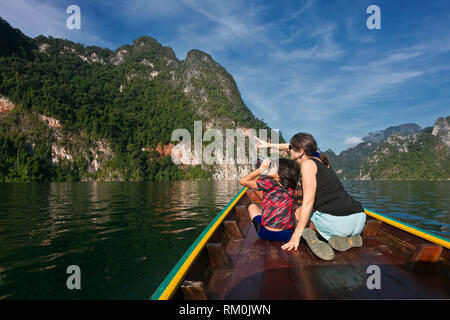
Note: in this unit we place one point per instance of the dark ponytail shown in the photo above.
(325, 160)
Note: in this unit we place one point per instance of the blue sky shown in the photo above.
(310, 66)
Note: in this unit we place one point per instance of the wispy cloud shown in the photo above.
(223, 26)
(35, 18)
(352, 141)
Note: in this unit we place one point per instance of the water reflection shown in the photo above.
(124, 236)
(423, 204)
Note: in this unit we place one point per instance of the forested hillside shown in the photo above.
(112, 109)
(401, 152)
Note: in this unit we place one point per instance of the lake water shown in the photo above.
(126, 236)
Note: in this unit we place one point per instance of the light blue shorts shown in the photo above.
(345, 226)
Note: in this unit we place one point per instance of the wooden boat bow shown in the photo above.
(229, 261)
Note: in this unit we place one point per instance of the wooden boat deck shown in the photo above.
(237, 265)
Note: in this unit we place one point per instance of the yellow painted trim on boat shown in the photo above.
(409, 229)
(179, 276)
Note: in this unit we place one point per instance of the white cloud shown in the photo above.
(352, 141)
(325, 47)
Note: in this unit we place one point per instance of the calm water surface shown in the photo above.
(125, 237)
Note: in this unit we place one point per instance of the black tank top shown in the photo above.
(330, 194)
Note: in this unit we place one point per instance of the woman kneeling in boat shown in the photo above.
(334, 214)
(276, 221)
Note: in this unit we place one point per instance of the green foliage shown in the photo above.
(14, 42)
(85, 97)
(349, 162)
(24, 157)
(426, 159)
(197, 172)
(93, 101)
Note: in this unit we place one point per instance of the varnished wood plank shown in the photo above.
(426, 253)
(244, 201)
(371, 228)
(282, 277)
(221, 279)
(244, 222)
(427, 281)
(312, 282)
(202, 269)
(396, 281)
(242, 212)
(194, 290)
(245, 225)
(220, 235)
(342, 276)
(233, 249)
(253, 196)
(248, 272)
(277, 282)
(359, 268)
(394, 241)
(218, 257)
(260, 194)
(218, 284)
(347, 274)
(402, 240)
(231, 226)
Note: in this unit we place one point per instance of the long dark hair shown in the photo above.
(289, 173)
(325, 160)
(304, 141)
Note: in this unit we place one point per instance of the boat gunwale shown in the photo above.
(172, 281)
(410, 229)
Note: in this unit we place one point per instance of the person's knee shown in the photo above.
(360, 225)
(253, 210)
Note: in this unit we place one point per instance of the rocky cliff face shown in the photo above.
(5, 105)
(396, 152)
(441, 130)
(211, 89)
(394, 144)
(185, 154)
(199, 76)
(141, 90)
(67, 147)
(381, 135)
(422, 155)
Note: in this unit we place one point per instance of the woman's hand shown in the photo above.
(249, 180)
(265, 164)
(260, 144)
(292, 244)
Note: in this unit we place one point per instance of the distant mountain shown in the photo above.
(423, 156)
(13, 41)
(378, 136)
(399, 152)
(70, 112)
(348, 163)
